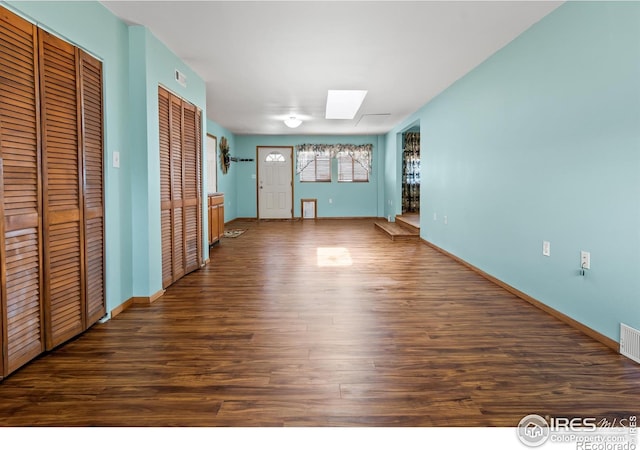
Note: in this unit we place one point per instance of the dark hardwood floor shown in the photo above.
(324, 323)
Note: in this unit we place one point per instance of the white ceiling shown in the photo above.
(263, 61)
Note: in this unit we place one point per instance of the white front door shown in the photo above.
(275, 182)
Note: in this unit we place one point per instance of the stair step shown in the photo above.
(397, 232)
(409, 221)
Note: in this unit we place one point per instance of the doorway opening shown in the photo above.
(411, 171)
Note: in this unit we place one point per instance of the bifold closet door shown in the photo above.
(51, 191)
(93, 186)
(180, 192)
(62, 191)
(21, 320)
(166, 205)
(177, 188)
(191, 194)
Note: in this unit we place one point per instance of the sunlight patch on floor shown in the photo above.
(334, 257)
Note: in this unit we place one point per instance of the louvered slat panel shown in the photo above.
(21, 324)
(176, 149)
(166, 220)
(189, 157)
(190, 183)
(178, 244)
(63, 213)
(92, 152)
(199, 186)
(167, 248)
(95, 269)
(191, 234)
(177, 188)
(23, 306)
(165, 154)
(64, 282)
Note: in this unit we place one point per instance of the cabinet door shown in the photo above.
(212, 237)
(214, 226)
(62, 191)
(21, 320)
(220, 221)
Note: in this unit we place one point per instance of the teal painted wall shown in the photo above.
(348, 199)
(100, 33)
(226, 182)
(542, 142)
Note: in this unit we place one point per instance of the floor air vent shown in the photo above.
(630, 342)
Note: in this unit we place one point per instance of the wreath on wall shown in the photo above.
(225, 159)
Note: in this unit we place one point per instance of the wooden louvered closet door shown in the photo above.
(21, 324)
(180, 192)
(191, 188)
(51, 191)
(166, 206)
(62, 191)
(93, 186)
(177, 192)
(72, 168)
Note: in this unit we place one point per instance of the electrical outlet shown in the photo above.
(585, 260)
(546, 248)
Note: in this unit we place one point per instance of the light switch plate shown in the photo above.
(116, 159)
(546, 248)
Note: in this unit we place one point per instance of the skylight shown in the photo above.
(343, 104)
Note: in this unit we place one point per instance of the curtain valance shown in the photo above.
(306, 154)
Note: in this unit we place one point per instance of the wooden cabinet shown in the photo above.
(51, 192)
(216, 217)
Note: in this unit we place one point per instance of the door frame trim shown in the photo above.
(258, 147)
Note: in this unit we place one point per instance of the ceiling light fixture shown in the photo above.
(293, 122)
(343, 104)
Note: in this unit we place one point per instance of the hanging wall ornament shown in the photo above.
(225, 158)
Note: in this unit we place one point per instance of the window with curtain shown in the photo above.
(351, 170)
(317, 169)
(313, 162)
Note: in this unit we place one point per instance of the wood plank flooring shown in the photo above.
(324, 323)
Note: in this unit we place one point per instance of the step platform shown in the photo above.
(398, 232)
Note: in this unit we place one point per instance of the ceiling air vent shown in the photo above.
(181, 78)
